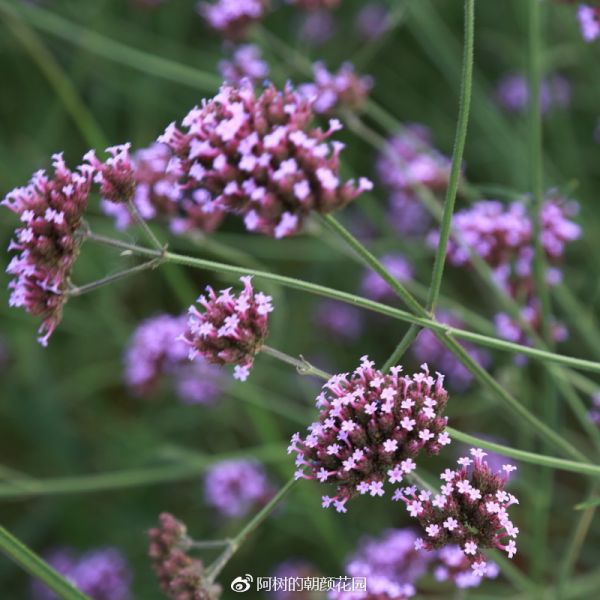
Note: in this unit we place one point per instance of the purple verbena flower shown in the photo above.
(589, 22)
(235, 487)
(116, 175)
(371, 427)
(452, 565)
(512, 93)
(390, 564)
(179, 575)
(156, 351)
(245, 63)
(259, 157)
(232, 18)
(332, 92)
(340, 319)
(408, 215)
(231, 330)
(47, 241)
(317, 27)
(470, 511)
(428, 348)
(375, 287)
(594, 413)
(373, 20)
(102, 574)
(294, 570)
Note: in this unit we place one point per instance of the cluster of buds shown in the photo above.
(314, 4)
(231, 330)
(180, 576)
(116, 175)
(233, 18)
(470, 511)
(452, 565)
(158, 195)
(245, 63)
(47, 242)
(589, 22)
(259, 157)
(234, 487)
(156, 351)
(331, 92)
(371, 427)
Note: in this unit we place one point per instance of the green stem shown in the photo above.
(215, 569)
(405, 343)
(302, 366)
(35, 566)
(466, 88)
(137, 217)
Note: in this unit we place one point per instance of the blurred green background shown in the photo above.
(79, 74)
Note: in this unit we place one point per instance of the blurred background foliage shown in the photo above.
(77, 75)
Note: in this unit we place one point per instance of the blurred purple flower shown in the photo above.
(427, 348)
(589, 22)
(245, 63)
(376, 288)
(594, 413)
(235, 487)
(373, 20)
(512, 93)
(451, 564)
(318, 27)
(295, 569)
(232, 18)
(340, 319)
(102, 574)
(408, 215)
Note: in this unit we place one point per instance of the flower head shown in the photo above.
(512, 93)
(330, 92)
(179, 575)
(234, 487)
(340, 319)
(258, 156)
(589, 22)
(362, 414)
(451, 564)
(373, 20)
(471, 511)
(116, 175)
(102, 574)
(231, 330)
(245, 63)
(50, 211)
(232, 18)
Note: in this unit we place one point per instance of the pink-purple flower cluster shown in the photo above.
(589, 22)
(512, 93)
(259, 157)
(232, 18)
(235, 487)
(180, 576)
(340, 319)
(390, 564)
(156, 351)
(375, 287)
(116, 175)
(371, 426)
(246, 62)
(231, 330)
(47, 242)
(470, 511)
(452, 565)
(158, 195)
(373, 20)
(101, 574)
(331, 92)
(428, 348)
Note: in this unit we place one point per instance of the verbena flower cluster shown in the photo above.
(589, 21)
(512, 93)
(158, 195)
(451, 564)
(232, 18)
(47, 241)
(371, 426)
(390, 564)
(342, 320)
(231, 330)
(116, 175)
(373, 20)
(156, 351)
(101, 574)
(259, 157)
(408, 162)
(180, 576)
(235, 487)
(317, 27)
(470, 511)
(594, 413)
(246, 62)
(331, 92)
(427, 347)
(374, 286)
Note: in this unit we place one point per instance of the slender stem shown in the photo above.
(137, 217)
(302, 365)
(94, 285)
(457, 155)
(207, 544)
(213, 571)
(404, 344)
(35, 566)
